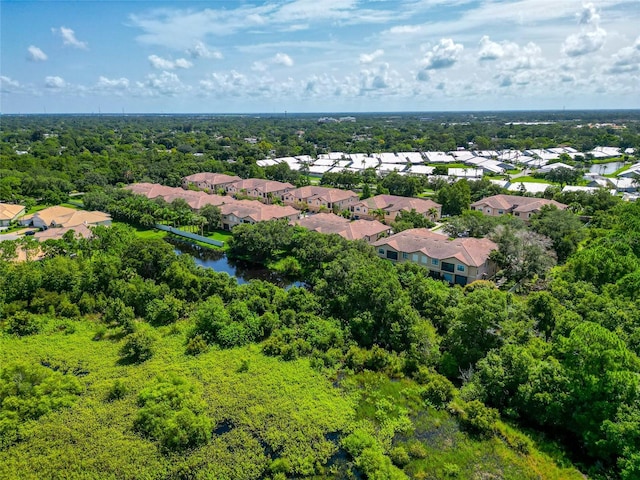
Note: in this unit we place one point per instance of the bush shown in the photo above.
(171, 413)
(138, 347)
(438, 391)
(196, 345)
(478, 419)
(117, 391)
(24, 323)
(399, 456)
(30, 391)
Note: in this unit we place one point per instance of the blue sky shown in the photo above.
(318, 55)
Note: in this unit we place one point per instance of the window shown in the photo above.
(500, 212)
(405, 255)
(414, 257)
(434, 261)
(391, 255)
(448, 277)
(460, 268)
(424, 259)
(488, 210)
(447, 267)
(381, 251)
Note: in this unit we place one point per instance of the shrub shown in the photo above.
(24, 323)
(478, 419)
(196, 345)
(30, 391)
(171, 413)
(138, 347)
(399, 456)
(117, 391)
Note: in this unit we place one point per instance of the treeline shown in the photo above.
(42, 159)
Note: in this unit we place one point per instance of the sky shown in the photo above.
(274, 56)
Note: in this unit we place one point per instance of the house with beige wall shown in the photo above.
(258, 188)
(209, 181)
(316, 198)
(65, 217)
(458, 261)
(367, 230)
(392, 205)
(9, 213)
(252, 211)
(522, 207)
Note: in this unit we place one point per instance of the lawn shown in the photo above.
(530, 179)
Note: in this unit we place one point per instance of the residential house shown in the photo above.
(209, 181)
(10, 213)
(65, 217)
(264, 190)
(251, 211)
(316, 198)
(523, 207)
(458, 261)
(367, 230)
(392, 205)
(195, 199)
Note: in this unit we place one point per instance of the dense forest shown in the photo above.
(121, 359)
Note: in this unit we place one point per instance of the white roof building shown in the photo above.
(529, 187)
(631, 171)
(411, 157)
(605, 152)
(420, 170)
(553, 166)
(439, 157)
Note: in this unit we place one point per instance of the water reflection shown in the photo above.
(242, 271)
(606, 168)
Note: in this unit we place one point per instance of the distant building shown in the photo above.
(316, 198)
(65, 217)
(522, 207)
(251, 211)
(392, 205)
(9, 213)
(458, 261)
(209, 181)
(367, 230)
(258, 188)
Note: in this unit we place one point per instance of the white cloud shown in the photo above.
(278, 59)
(443, 55)
(200, 50)
(404, 29)
(165, 64)
(105, 83)
(511, 55)
(8, 85)
(589, 15)
(366, 58)
(166, 84)
(232, 83)
(183, 63)
(591, 37)
(54, 82)
(584, 42)
(69, 38)
(490, 50)
(34, 54)
(627, 59)
(283, 59)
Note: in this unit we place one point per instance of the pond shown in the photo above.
(606, 168)
(241, 271)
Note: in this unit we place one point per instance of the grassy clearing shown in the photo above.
(530, 179)
(269, 409)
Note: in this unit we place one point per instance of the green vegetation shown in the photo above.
(121, 359)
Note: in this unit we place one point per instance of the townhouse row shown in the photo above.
(313, 198)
